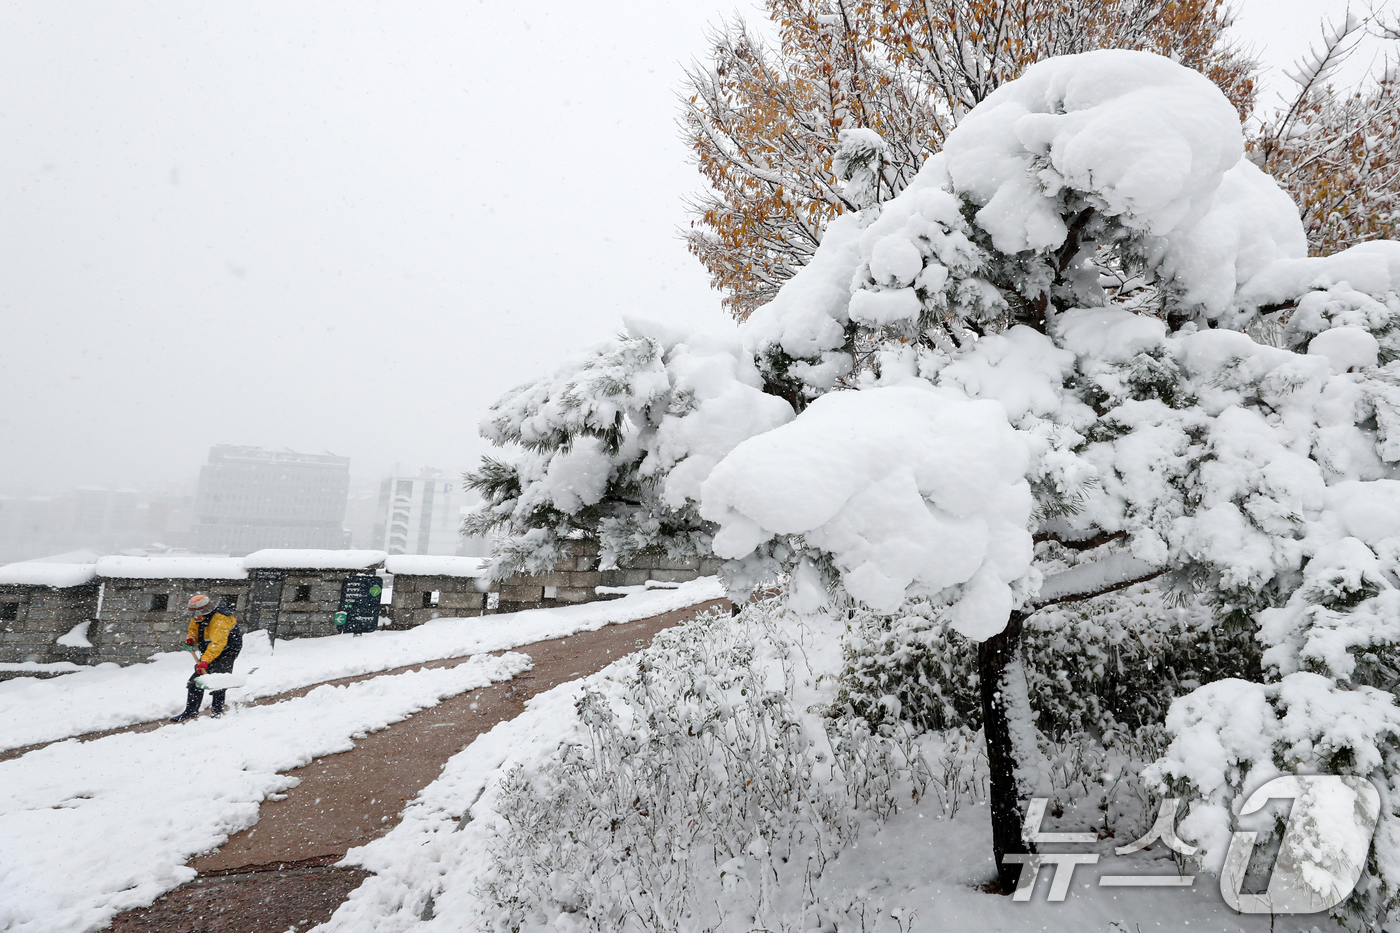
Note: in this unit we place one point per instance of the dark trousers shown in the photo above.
(223, 664)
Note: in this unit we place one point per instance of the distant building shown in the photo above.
(104, 520)
(250, 498)
(423, 515)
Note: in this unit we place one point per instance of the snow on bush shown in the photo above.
(704, 792)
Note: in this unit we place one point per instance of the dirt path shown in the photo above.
(7, 754)
(280, 868)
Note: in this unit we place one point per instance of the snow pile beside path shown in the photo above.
(912, 491)
(108, 697)
(90, 829)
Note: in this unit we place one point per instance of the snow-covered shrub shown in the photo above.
(705, 795)
(1106, 667)
(703, 769)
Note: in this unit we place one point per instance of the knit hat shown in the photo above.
(200, 604)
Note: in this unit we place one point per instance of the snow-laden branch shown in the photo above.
(1095, 578)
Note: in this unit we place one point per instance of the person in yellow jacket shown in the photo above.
(215, 634)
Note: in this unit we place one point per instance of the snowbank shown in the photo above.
(90, 829)
(107, 696)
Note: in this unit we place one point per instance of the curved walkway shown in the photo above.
(278, 875)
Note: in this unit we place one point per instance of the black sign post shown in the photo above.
(359, 604)
(266, 601)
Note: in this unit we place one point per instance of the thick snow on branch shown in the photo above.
(1097, 576)
(1252, 225)
(1148, 140)
(911, 490)
(716, 401)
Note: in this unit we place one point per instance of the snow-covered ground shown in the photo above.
(108, 696)
(90, 829)
(918, 870)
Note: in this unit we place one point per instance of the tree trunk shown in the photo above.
(994, 656)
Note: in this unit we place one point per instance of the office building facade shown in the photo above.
(250, 498)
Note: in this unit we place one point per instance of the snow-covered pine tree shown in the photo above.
(1083, 349)
(1068, 397)
(765, 121)
(611, 448)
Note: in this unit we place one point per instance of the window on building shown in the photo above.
(9, 612)
(160, 602)
(551, 592)
(230, 600)
(430, 598)
(303, 593)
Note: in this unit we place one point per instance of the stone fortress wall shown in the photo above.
(126, 609)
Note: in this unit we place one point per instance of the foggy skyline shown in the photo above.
(343, 230)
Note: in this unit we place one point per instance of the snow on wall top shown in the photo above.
(174, 566)
(203, 567)
(313, 559)
(433, 565)
(43, 573)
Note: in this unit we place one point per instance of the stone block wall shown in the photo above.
(32, 617)
(136, 618)
(141, 617)
(413, 602)
(310, 600)
(576, 576)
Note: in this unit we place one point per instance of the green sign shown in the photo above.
(359, 604)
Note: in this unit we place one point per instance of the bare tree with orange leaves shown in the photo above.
(1338, 151)
(765, 122)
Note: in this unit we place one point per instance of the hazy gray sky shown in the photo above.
(343, 227)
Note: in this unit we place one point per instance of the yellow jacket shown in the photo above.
(215, 630)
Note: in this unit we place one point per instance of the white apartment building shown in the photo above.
(423, 515)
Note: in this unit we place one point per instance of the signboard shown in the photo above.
(266, 600)
(359, 604)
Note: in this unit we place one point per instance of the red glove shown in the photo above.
(190, 642)
(201, 668)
